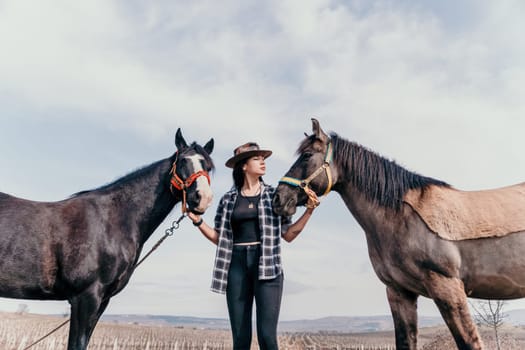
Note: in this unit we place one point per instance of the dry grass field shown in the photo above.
(18, 331)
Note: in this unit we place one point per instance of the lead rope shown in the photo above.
(48, 334)
(169, 232)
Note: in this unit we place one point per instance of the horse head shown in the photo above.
(313, 169)
(190, 174)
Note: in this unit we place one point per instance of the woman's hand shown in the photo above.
(194, 217)
(294, 229)
(313, 201)
(207, 231)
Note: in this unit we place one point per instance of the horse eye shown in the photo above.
(185, 162)
(307, 155)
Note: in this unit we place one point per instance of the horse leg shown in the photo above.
(86, 309)
(403, 305)
(449, 296)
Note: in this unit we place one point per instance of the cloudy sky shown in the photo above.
(90, 91)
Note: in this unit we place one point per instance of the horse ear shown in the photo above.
(318, 132)
(208, 147)
(179, 140)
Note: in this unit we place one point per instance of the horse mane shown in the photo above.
(122, 181)
(381, 180)
(145, 170)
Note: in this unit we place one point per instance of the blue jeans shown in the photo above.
(243, 287)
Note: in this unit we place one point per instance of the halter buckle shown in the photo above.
(303, 184)
(182, 185)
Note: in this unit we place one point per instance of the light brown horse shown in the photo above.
(408, 256)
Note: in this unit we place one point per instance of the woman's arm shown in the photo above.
(296, 228)
(207, 231)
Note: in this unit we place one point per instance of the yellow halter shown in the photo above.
(325, 167)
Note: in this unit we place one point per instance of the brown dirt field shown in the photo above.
(18, 331)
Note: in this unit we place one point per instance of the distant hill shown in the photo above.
(177, 321)
(333, 324)
(515, 317)
(357, 324)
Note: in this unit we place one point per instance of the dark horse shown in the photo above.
(84, 249)
(407, 256)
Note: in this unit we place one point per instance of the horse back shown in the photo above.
(52, 249)
(458, 215)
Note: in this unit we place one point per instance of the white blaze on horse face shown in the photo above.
(203, 187)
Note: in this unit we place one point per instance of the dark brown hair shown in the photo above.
(238, 174)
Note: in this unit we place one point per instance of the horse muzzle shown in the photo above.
(284, 204)
(200, 199)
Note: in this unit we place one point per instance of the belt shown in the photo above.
(245, 247)
(247, 243)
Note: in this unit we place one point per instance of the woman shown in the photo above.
(248, 261)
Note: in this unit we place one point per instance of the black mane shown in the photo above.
(381, 180)
(126, 179)
(139, 173)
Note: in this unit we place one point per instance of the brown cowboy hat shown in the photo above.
(247, 150)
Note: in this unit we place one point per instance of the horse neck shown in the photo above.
(143, 199)
(374, 187)
(368, 214)
(356, 193)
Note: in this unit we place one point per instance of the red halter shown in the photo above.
(182, 185)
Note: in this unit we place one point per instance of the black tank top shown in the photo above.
(245, 220)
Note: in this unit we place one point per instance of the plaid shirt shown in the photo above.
(271, 226)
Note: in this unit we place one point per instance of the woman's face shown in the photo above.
(255, 166)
